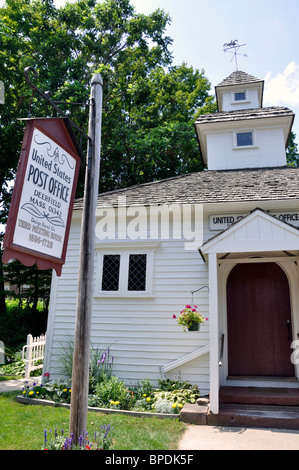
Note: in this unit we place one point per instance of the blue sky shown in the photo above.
(269, 28)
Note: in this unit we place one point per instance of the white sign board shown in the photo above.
(46, 195)
(223, 221)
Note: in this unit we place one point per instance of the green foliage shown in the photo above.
(59, 392)
(147, 100)
(17, 322)
(163, 406)
(15, 369)
(115, 394)
(100, 368)
(101, 440)
(169, 384)
(292, 151)
(178, 396)
(100, 363)
(142, 388)
(110, 392)
(39, 282)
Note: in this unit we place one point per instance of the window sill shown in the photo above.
(240, 102)
(245, 147)
(124, 295)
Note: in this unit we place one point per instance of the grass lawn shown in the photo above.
(22, 427)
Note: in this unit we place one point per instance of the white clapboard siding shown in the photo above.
(140, 331)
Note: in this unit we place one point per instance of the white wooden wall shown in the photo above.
(141, 333)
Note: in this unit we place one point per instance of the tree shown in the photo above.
(144, 96)
(147, 128)
(292, 151)
(149, 104)
(38, 286)
(153, 137)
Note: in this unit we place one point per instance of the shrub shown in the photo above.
(177, 396)
(59, 392)
(112, 390)
(163, 406)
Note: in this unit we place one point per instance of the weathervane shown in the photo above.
(233, 47)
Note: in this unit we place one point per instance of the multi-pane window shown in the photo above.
(110, 278)
(137, 273)
(124, 273)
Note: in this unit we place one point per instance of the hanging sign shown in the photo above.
(42, 202)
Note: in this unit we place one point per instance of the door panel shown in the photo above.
(258, 312)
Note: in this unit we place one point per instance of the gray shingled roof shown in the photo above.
(245, 114)
(210, 186)
(239, 77)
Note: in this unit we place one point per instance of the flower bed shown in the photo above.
(112, 395)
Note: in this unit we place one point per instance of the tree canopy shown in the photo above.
(149, 103)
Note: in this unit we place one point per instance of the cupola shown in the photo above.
(239, 91)
(243, 134)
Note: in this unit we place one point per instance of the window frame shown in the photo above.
(244, 131)
(233, 97)
(124, 273)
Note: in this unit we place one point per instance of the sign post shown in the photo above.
(81, 355)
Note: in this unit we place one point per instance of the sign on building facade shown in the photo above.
(223, 221)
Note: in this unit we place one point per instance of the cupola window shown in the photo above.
(240, 96)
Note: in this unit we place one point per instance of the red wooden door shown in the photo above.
(259, 321)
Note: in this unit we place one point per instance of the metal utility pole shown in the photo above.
(80, 374)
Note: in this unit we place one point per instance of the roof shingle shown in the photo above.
(242, 114)
(239, 77)
(209, 187)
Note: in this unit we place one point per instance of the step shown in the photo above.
(260, 396)
(258, 416)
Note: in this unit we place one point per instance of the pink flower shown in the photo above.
(188, 306)
(173, 316)
(194, 310)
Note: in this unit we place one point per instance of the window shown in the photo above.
(240, 96)
(124, 273)
(110, 278)
(244, 139)
(137, 273)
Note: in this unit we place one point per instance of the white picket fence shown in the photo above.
(33, 352)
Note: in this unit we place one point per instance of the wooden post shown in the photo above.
(80, 373)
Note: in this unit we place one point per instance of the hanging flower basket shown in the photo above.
(194, 326)
(189, 318)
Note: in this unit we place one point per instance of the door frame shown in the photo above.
(290, 268)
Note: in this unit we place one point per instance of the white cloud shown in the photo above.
(283, 88)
